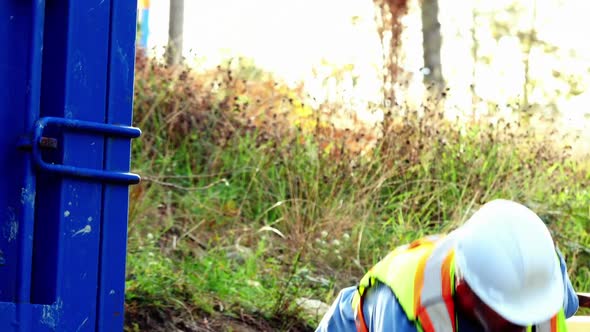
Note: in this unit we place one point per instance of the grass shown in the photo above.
(252, 200)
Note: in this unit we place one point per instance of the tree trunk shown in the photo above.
(388, 15)
(431, 41)
(175, 31)
(530, 41)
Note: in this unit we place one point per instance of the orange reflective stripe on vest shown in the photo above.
(361, 325)
(435, 309)
(554, 324)
(418, 287)
(549, 326)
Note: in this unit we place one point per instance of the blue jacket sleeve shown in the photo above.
(570, 300)
(340, 316)
(381, 310)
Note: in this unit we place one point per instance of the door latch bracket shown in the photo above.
(109, 130)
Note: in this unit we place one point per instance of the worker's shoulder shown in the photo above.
(382, 308)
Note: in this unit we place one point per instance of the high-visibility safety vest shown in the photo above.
(422, 277)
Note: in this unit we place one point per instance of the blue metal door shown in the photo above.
(66, 89)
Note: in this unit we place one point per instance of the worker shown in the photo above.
(500, 271)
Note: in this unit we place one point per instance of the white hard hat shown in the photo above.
(506, 255)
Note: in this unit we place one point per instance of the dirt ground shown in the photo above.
(151, 320)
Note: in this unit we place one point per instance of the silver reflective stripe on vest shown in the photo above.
(439, 316)
(544, 327)
(431, 297)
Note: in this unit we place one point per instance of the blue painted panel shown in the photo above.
(8, 317)
(24, 317)
(15, 27)
(63, 238)
(48, 206)
(111, 296)
(79, 211)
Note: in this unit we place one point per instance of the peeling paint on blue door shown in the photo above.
(66, 91)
